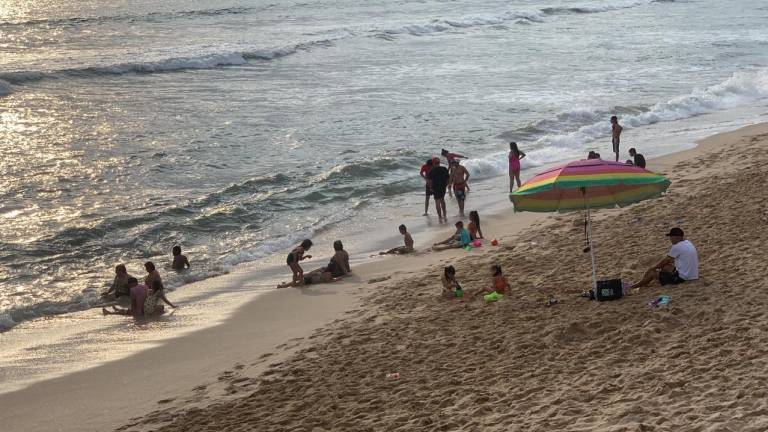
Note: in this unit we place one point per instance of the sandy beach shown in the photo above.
(317, 359)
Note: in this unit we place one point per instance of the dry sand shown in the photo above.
(699, 364)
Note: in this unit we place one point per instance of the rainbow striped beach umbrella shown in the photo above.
(588, 184)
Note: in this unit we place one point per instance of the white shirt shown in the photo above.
(686, 260)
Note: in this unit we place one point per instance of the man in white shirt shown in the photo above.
(681, 263)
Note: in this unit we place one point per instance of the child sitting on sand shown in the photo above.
(499, 283)
(317, 276)
(451, 287)
(407, 239)
(459, 239)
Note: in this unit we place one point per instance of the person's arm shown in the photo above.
(522, 155)
(665, 262)
(186, 262)
(480, 232)
(113, 287)
(459, 156)
(466, 175)
(346, 262)
(161, 296)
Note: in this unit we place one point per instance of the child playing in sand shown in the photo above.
(451, 287)
(459, 239)
(475, 232)
(296, 255)
(180, 262)
(407, 239)
(317, 276)
(499, 283)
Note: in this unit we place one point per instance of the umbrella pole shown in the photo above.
(591, 249)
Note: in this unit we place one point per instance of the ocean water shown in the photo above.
(237, 128)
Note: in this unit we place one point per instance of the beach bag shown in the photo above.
(609, 290)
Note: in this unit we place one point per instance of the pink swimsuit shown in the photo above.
(514, 162)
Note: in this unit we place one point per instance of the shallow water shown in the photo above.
(236, 128)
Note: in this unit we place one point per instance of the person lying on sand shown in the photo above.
(680, 265)
(499, 283)
(459, 239)
(407, 239)
(317, 276)
(451, 287)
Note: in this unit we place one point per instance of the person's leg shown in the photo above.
(648, 277)
(426, 205)
(445, 212)
(440, 206)
(511, 180)
(460, 201)
(517, 177)
(298, 273)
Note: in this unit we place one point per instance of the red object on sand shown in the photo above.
(494, 242)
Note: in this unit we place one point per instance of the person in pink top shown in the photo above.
(514, 165)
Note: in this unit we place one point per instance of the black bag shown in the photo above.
(609, 290)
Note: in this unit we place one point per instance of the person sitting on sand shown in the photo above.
(296, 255)
(151, 304)
(138, 295)
(680, 265)
(152, 274)
(451, 287)
(593, 155)
(459, 239)
(499, 283)
(339, 264)
(120, 284)
(407, 239)
(638, 159)
(180, 262)
(475, 232)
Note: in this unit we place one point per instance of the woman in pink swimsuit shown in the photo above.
(514, 164)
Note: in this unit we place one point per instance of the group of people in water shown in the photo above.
(144, 299)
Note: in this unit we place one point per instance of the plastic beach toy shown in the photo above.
(477, 243)
(468, 248)
(660, 301)
(458, 293)
(494, 242)
(492, 297)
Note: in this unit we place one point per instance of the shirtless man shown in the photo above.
(615, 135)
(459, 177)
(407, 239)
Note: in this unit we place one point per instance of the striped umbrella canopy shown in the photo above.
(588, 184)
(592, 183)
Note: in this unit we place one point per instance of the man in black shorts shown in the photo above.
(616, 135)
(438, 175)
(425, 169)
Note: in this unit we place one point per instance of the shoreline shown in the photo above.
(286, 322)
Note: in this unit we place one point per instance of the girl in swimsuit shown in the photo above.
(296, 255)
(514, 164)
(451, 287)
(474, 225)
(499, 283)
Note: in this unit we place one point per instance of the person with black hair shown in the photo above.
(407, 239)
(499, 283)
(180, 262)
(424, 173)
(296, 255)
(451, 287)
(475, 232)
(339, 264)
(120, 284)
(514, 157)
(638, 159)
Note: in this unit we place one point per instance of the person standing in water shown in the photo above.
(616, 135)
(514, 164)
(439, 177)
(296, 255)
(459, 176)
(424, 173)
(180, 262)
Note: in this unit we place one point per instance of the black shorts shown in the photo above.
(428, 190)
(438, 192)
(289, 260)
(460, 194)
(666, 278)
(615, 142)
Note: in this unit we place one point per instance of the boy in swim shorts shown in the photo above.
(459, 177)
(615, 135)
